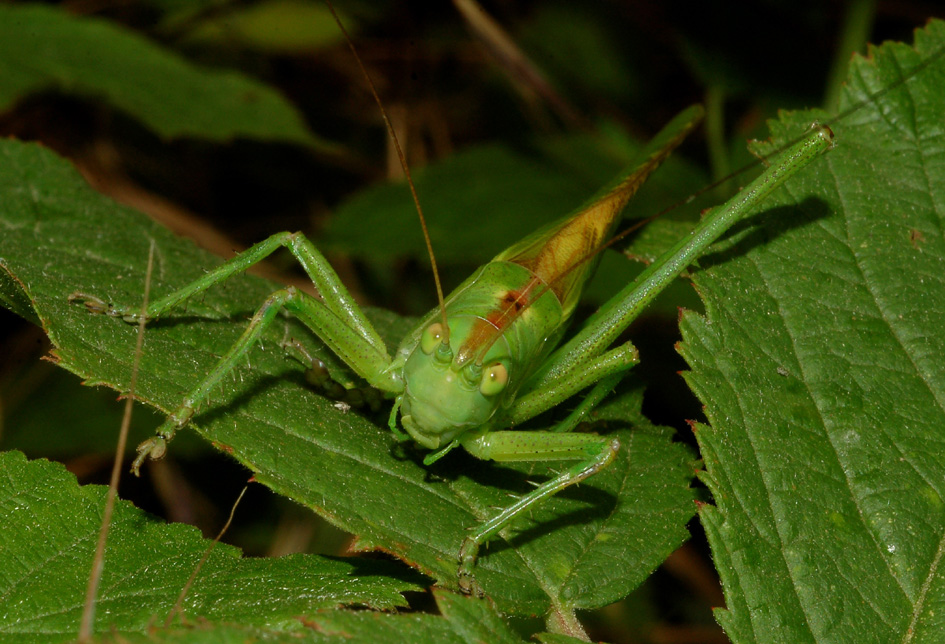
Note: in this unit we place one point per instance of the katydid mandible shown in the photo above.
(496, 363)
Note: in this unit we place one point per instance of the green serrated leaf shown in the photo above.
(50, 532)
(819, 360)
(475, 620)
(44, 48)
(338, 627)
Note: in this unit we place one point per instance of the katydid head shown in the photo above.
(446, 394)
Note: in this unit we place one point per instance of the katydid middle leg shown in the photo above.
(592, 452)
(309, 310)
(318, 375)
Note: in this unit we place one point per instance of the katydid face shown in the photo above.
(447, 392)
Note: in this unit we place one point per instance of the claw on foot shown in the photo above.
(99, 306)
(91, 303)
(467, 559)
(154, 448)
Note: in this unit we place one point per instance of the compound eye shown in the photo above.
(432, 336)
(494, 379)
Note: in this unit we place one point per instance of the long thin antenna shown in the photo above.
(403, 164)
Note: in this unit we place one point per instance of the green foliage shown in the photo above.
(50, 531)
(275, 27)
(817, 360)
(464, 621)
(43, 49)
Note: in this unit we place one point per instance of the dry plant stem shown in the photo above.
(206, 555)
(98, 562)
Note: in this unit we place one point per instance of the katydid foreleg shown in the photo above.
(339, 321)
(290, 299)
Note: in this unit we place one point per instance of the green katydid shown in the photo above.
(488, 359)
